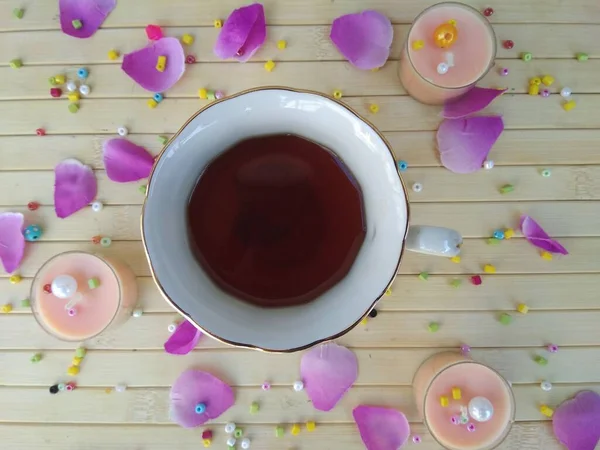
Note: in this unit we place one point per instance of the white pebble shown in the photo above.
(489, 164)
(442, 68)
(245, 444)
(137, 313)
(231, 441)
(417, 187)
(122, 131)
(565, 92)
(120, 388)
(546, 386)
(97, 206)
(172, 327)
(298, 386)
(229, 427)
(84, 89)
(71, 86)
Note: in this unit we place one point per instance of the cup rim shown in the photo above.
(241, 344)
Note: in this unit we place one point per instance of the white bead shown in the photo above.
(442, 68)
(489, 164)
(565, 92)
(97, 206)
(71, 86)
(122, 131)
(84, 89)
(229, 427)
(172, 327)
(298, 386)
(137, 313)
(417, 187)
(120, 388)
(64, 286)
(245, 444)
(546, 386)
(231, 441)
(481, 409)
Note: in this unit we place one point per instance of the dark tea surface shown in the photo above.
(276, 220)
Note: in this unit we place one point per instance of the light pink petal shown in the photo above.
(243, 33)
(183, 340)
(91, 13)
(465, 143)
(75, 187)
(364, 38)
(473, 101)
(141, 64)
(125, 161)
(536, 235)
(328, 371)
(576, 422)
(193, 387)
(381, 428)
(12, 242)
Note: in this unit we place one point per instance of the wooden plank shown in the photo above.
(389, 330)
(150, 405)
(523, 435)
(109, 82)
(305, 43)
(377, 366)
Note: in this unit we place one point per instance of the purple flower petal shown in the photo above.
(12, 242)
(364, 38)
(91, 14)
(381, 428)
(473, 101)
(576, 422)
(465, 143)
(536, 235)
(125, 161)
(193, 387)
(243, 33)
(183, 340)
(141, 64)
(328, 371)
(75, 187)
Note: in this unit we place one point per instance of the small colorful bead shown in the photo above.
(15, 279)
(568, 106)
(266, 386)
(172, 327)
(522, 308)
(71, 86)
(82, 73)
(455, 420)
(493, 241)
(455, 283)
(151, 103)
(552, 348)
(187, 39)
(507, 188)
(93, 283)
(73, 97)
(97, 206)
(499, 234)
(72, 312)
(161, 63)
(70, 386)
(374, 108)
(254, 408)
(158, 97)
(433, 327)
(219, 95)
(455, 259)
(416, 439)
(545, 93)
(40, 132)
(32, 233)
(373, 313)
(113, 55)
(295, 429)
(546, 410)
(200, 408)
(489, 268)
(96, 239)
(533, 89)
(154, 32)
(504, 71)
(508, 44)
(505, 319)
(122, 131)
(207, 434)
(536, 81)
(269, 65)
(540, 360)
(245, 443)
(582, 57)
(337, 94)
(217, 23)
(80, 352)
(18, 13)
(137, 313)
(105, 242)
(526, 56)
(190, 59)
(76, 361)
(298, 386)
(6, 308)
(238, 433)
(417, 187)
(566, 92)
(77, 24)
(73, 108)
(546, 173)
(37, 357)
(487, 12)
(231, 441)
(62, 386)
(456, 393)
(279, 431)
(547, 80)
(229, 428)
(488, 164)
(311, 426)
(364, 321)
(210, 95)
(418, 45)
(281, 45)
(47, 288)
(143, 189)
(388, 292)
(55, 92)
(546, 386)
(402, 166)
(509, 233)
(465, 349)
(72, 371)
(25, 303)
(206, 442)
(470, 427)
(84, 89)
(163, 139)
(16, 64)
(423, 276)
(443, 68)
(444, 401)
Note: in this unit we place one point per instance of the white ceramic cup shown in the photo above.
(365, 152)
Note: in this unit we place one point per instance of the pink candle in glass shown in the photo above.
(71, 307)
(432, 74)
(480, 419)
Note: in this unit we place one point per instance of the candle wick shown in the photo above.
(76, 299)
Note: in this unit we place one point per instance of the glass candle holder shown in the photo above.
(76, 295)
(449, 48)
(465, 404)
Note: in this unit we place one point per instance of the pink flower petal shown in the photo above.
(576, 422)
(243, 33)
(141, 64)
(381, 428)
(12, 242)
(193, 387)
(536, 235)
(473, 101)
(91, 13)
(465, 143)
(328, 371)
(125, 161)
(75, 187)
(183, 340)
(364, 38)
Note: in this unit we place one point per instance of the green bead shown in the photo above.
(73, 107)
(105, 242)
(493, 241)
(76, 24)
(526, 56)
(505, 319)
(93, 283)
(546, 173)
(581, 57)
(541, 360)
(238, 433)
(36, 358)
(18, 13)
(80, 352)
(143, 189)
(16, 63)
(507, 188)
(254, 408)
(163, 140)
(433, 327)
(279, 431)
(52, 81)
(455, 283)
(25, 303)
(210, 95)
(61, 386)
(423, 276)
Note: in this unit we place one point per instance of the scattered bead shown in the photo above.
(470, 427)
(190, 59)
(546, 173)
(279, 431)
(158, 97)
(547, 80)
(18, 13)
(217, 23)
(207, 434)
(295, 429)
(311, 426)
(456, 393)
(536, 81)
(62, 386)
(73, 108)
(154, 32)
(71, 86)
(254, 408)
(137, 313)
(374, 108)
(72, 312)
(187, 39)
(73, 97)
(444, 401)
(298, 386)
(54, 389)
(200, 408)
(15, 279)
(507, 188)
(93, 283)
(455, 283)
(16, 64)
(151, 103)
(546, 256)
(32, 233)
(172, 327)
(504, 71)
(546, 410)
(582, 57)
(281, 45)
(565, 92)
(210, 95)
(105, 242)
(96, 239)
(540, 360)
(163, 140)
(373, 313)
(337, 94)
(25, 303)
(546, 386)
(522, 308)
(47, 288)
(455, 420)
(82, 73)
(465, 349)
(229, 428)
(487, 12)
(113, 55)
(423, 276)
(509, 233)
(6, 308)
(416, 439)
(568, 106)
(70, 386)
(508, 44)
(445, 35)
(499, 234)
(206, 443)
(443, 68)
(364, 321)
(55, 92)
(231, 441)
(418, 45)
(488, 164)
(545, 93)
(388, 292)
(161, 63)
(269, 66)
(37, 357)
(219, 95)
(72, 371)
(505, 319)
(433, 327)
(526, 56)
(402, 166)
(122, 131)
(245, 444)
(77, 24)
(533, 89)
(81, 352)
(76, 361)
(417, 187)
(143, 189)
(489, 268)
(238, 433)
(266, 386)
(84, 89)
(493, 241)
(552, 348)
(97, 206)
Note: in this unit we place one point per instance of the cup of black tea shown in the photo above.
(275, 219)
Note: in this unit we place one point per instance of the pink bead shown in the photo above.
(504, 71)
(72, 312)
(465, 349)
(69, 387)
(552, 348)
(470, 427)
(416, 439)
(476, 280)
(455, 420)
(545, 93)
(190, 59)
(154, 32)
(266, 386)
(240, 52)
(219, 94)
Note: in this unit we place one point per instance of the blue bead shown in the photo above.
(158, 97)
(32, 233)
(499, 234)
(402, 165)
(200, 408)
(82, 73)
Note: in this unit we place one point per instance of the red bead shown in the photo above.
(96, 239)
(476, 280)
(508, 44)
(487, 12)
(40, 132)
(190, 59)
(47, 289)
(207, 434)
(56, 92)
(154, 32)
(32, 206)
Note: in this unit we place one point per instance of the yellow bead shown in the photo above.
(15, 279)
(418, 45)
(375, 69)
(455, 259)
(388, 292)
(187, 39)
(452, 22)
(281, 45)
(6, 308)
(310, 426)
(568, 106)
(203, 93)
(444, 401)
(509, 233)
(456, 393)
(206, 442)
(535, 81)
(113, 54)
(547, 80)
(269, 66)
(60, 79)
(218, 23)
(337, 94)
(72, 371)
(73, 97)
(374, 108)
(108, 391)
(295, 429)
(546, 410)
(546, 255)
(152, 103)
(76, 361)
(445, 35)
(364, 321)
(488, 268)
(533, 89)
(161, 63)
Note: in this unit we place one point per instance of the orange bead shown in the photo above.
(445, 35)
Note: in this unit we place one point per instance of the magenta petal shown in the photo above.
(473, 101)
(75, 187)
(193, 387)
(91, 13)
(141, 64)
(536, 235)
(125, 161)
(243, 33)
(465, 143)
(381, 428)
(12, 242)
(364, 38)
(328, 371)
(576, 422)
(183, 340)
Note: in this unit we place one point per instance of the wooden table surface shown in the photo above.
(562, 294)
